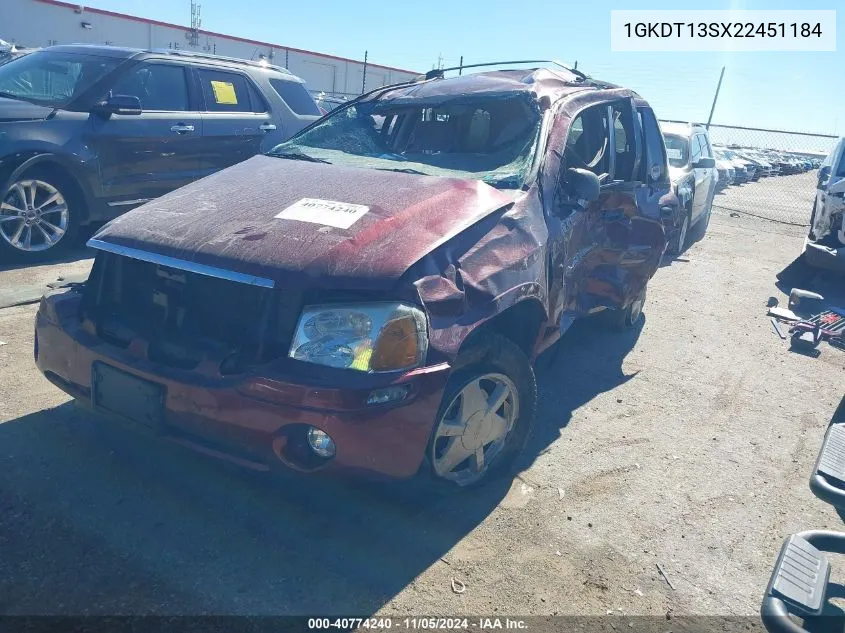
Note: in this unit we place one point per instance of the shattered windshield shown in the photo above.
(677, 150)
(489, 138)
(52, 78)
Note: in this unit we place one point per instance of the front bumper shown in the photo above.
(255, 420)
(824, 257)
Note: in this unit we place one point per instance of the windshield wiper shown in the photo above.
(298, 156)
(404, 170)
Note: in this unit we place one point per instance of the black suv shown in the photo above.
(88, 132)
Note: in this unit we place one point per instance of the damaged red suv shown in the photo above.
(369, 297)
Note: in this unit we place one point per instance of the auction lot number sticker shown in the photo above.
(340, 215)
(723, 30)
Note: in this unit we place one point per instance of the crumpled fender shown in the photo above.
(482, 272)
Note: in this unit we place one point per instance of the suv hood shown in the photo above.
(366, 228)
(15, 110)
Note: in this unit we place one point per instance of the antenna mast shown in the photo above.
(196, 23)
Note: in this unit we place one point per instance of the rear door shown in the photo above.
(144, 156)
(236, 119)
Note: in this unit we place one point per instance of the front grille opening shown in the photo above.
(186, 317)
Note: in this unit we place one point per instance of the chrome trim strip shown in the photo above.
(181, 264)
(123, 203)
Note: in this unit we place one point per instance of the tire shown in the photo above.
(680, 240)
(491, 363)
(627, 319)
(49, 228)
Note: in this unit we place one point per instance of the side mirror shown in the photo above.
(583, 183)
(824, 176)
(118, 104)
(705, 163)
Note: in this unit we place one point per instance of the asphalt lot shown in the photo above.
(688, 443)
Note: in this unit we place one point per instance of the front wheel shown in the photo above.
(486, 415)
(37, 216)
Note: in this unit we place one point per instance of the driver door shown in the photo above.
(605, 253)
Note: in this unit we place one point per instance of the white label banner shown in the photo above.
(340, 215)
(723, 30)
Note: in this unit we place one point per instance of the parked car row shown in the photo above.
(738, 165)
(370, 295)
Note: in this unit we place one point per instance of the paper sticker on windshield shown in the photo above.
(673, 152)
(341, 215)
(224, 92)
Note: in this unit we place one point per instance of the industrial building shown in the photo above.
(38, 23)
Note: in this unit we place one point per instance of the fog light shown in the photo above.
(320, 442)
(388, 394)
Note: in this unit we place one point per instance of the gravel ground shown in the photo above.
(780, 198)
(687, 443)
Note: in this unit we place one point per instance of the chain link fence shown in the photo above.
(770, 174)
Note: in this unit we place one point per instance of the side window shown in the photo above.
(259, 106)
(160, 87)
(224, 91)
(295, 95)
(625, 156)
(588, 142)
(695, 150)
(706, 150)
(655, 150)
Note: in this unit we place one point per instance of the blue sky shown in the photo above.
(794, 91)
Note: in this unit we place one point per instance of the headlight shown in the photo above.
(366, 337)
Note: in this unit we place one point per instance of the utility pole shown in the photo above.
(715, 97)
(364, 78)
(461, 66)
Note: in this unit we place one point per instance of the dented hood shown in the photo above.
(300, 224)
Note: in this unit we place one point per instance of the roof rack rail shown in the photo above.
(439, 72)
(210, 56)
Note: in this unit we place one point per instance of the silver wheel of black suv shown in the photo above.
(35, 216)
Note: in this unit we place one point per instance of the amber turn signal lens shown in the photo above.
(397, 346)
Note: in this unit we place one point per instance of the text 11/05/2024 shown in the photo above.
(419, 624)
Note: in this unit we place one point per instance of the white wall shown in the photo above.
(38, 23)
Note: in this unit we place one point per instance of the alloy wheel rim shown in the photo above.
(34, 216)
(474, 429)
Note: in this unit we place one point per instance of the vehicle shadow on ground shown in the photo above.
(96, 519)
(73, 253)
(586, 362)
